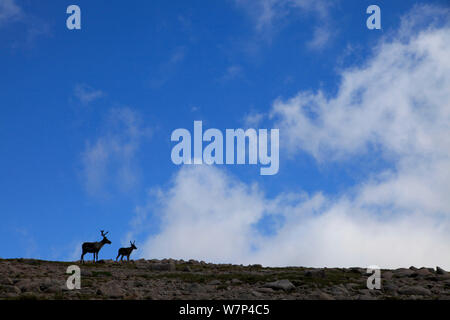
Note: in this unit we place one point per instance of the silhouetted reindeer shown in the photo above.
(126, 251)
(94, 247)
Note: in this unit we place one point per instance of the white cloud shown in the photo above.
(253, 119)
(87, 94)
(396, 105)
(232, 73)
(9, 11)
(266, 13)
(109, 162)
(31, 26)
(321, 37)
(177, 56)
(398, 101)
(269, 15)
(168, 68)
(205, 214)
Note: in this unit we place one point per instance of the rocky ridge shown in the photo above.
(178, 279)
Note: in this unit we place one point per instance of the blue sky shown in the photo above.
(86, 119)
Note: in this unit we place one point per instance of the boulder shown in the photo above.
(284, 284)
(111, 290)
(389, 287)
(186, 269)
(27, 285)
(414, 290)
(11, 289)
(141, 264)
(195, 288)
(402, 272)
(440, 271)
(320, 295)
(162, 266)
(351, 286)
(339, 290)
(85, 273)
(423, 272)
(265, 290)
(366, 297)
(51, 285)
(5, 280)
(357, 270)
(315, 273)
(256, 294)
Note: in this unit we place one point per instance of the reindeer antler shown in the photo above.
(103, 233)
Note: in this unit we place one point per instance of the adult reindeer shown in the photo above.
(126, 251)
(94, 247)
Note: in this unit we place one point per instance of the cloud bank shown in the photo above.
(396, 106)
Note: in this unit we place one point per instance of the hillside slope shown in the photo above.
(175, 279)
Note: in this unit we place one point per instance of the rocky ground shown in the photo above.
(177, 279)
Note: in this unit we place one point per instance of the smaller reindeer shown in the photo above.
(126, 251)
(94, 247)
